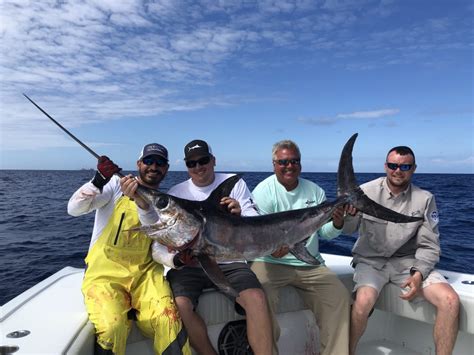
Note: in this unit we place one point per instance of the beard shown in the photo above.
(400, 182)
(151, 177)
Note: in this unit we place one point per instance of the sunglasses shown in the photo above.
(158, 161)
(286, 162)
(403, 167)
(202, 161)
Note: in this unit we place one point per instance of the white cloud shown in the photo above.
(95, 60)
(369, 114)
(358, 115)
(468, 161)
(321, 121)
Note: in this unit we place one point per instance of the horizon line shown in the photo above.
(242, 171)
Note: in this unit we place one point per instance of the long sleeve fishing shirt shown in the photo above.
(406, 245)
(89, 198)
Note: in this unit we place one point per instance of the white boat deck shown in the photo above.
(54, 314)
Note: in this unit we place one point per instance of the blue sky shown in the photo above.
(241, 75)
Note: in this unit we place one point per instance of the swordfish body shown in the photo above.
(215, 235)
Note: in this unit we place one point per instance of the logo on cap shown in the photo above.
(154, 149)
(194, 147)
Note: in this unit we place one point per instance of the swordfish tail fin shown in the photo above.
(347, 186)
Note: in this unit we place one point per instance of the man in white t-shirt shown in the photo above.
(187, 279)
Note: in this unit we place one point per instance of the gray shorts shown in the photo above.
(367, 275)
(191, 281)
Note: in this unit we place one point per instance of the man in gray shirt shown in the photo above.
(404, 254)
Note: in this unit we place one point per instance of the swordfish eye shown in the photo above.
(162, 202)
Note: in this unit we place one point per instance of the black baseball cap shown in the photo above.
(197, 148)
(153, 149)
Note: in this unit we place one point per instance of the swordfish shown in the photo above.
(211, 233)
(214, 235)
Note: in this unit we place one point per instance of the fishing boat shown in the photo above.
(50, 318)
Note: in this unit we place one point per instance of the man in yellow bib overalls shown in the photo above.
(121, 273)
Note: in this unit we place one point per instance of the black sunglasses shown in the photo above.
(202, 161)
(158, 161)
(403, 167)
(286, 162)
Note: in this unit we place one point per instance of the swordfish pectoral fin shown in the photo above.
(214, 272)
(363, 203)
(300, 252)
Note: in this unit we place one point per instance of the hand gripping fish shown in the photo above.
(214, 235)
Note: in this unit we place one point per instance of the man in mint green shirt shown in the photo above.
(319, 287)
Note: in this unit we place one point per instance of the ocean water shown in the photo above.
(38, 237)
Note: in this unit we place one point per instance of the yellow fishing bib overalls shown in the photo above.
(121, 275)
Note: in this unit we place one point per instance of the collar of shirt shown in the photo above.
(389, 195)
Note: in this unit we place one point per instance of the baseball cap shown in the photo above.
(153, 149)
(197, 148)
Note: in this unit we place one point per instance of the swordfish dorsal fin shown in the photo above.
(347, 185)
(223, 190)
(346, 181)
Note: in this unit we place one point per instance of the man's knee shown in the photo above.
(364, 301)
(450, 301)
(185, 306)
(252, 298)
(443, 297)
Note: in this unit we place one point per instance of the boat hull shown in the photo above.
(53, 312)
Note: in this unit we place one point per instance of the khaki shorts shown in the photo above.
(366, 275)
